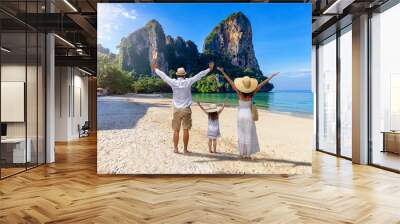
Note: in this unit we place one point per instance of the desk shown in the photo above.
(391, 141)
(17, 152)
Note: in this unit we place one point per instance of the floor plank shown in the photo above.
(70, 191)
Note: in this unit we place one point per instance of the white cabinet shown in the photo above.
(17, 145)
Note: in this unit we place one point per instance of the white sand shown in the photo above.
(135, 137)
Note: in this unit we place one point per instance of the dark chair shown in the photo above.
(84, 130)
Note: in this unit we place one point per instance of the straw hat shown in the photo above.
(212, 108)
(181, 72)
(246, 84)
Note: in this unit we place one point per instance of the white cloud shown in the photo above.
(109, 16)
(129, 15)
(297, 74)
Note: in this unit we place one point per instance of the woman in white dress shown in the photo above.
(246, 88)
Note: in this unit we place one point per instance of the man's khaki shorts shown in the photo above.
(182, 116)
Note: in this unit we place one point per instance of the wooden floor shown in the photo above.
(69, 191)
(387, 159)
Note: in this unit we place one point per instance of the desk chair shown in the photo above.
(84, 130)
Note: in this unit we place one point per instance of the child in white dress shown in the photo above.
(213, 125)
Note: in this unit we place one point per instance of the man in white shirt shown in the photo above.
(181, 100)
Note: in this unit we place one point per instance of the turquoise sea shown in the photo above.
(298, 102)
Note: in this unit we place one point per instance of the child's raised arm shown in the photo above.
(201, 107)
(222, 108)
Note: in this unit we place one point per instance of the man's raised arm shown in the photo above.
(162, 75)
(203, 73)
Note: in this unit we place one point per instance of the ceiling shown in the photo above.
(75, 22)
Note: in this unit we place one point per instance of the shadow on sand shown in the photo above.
(121, 112)
(220, 157)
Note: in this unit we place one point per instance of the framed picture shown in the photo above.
(204, 88)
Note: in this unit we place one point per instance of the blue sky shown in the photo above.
(281, 32)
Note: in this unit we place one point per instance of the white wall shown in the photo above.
(12, 73)
(62, 82)
(71, 102)
(80, 110)
(33, 126)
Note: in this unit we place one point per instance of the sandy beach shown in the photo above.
(135, 137)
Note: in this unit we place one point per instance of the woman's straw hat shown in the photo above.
(246, 84)
(181, 72)
(212, 108)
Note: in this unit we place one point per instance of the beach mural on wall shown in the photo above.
(204, 88)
